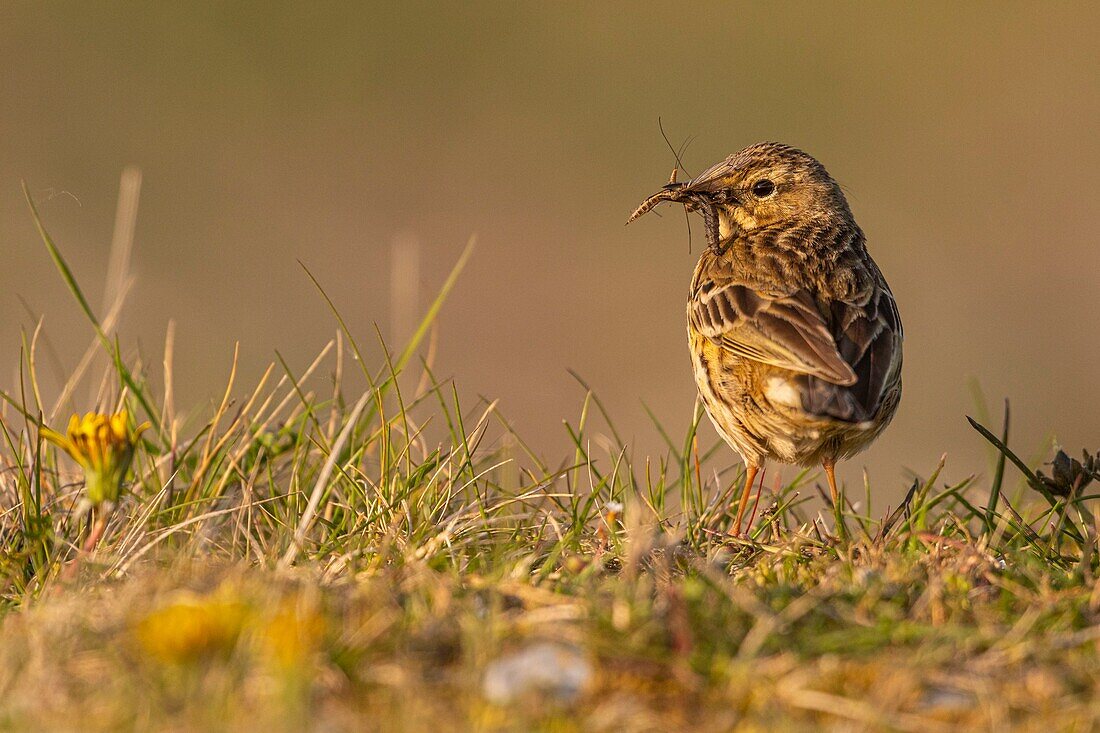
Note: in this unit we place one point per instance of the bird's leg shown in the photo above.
(829, 464)
(750, 475)
(830, 472)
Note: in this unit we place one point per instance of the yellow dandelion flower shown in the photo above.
(103, 445)
(293, 634)
(192, 628)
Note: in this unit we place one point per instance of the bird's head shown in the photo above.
(761, 186)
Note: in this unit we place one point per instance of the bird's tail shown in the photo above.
(838, 402)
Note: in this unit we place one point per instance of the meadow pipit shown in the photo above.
(794, 333)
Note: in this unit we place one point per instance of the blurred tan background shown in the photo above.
(269, 132)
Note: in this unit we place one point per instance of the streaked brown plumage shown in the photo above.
(795, 337)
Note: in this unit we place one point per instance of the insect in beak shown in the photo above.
(693, 199)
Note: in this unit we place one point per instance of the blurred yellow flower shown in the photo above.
(294, 634)
(191, 629)
(104, 447)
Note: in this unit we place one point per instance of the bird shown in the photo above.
(794, 333)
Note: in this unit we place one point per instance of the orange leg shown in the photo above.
(838, 501)
(830, 467)
(750, 475)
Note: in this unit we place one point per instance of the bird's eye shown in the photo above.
(763, 188)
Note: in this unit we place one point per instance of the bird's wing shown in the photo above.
(786, 331)
(868, 336)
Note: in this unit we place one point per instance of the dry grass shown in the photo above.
(345, 548)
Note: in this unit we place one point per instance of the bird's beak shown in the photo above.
(704, 193)
(715, 183)
(709, 188)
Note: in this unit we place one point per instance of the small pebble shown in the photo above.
(556, 671)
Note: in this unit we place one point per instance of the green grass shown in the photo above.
(348, 548)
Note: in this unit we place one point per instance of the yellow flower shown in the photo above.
(192, 628)
(103, 445)
(294, 634)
